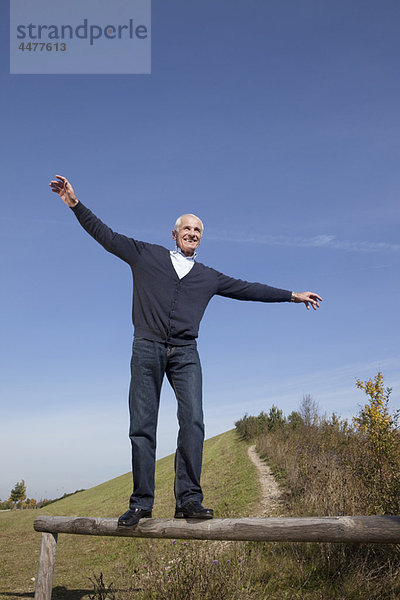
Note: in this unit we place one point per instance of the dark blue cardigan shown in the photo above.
(165, 308)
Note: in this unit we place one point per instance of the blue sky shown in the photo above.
(278, 124)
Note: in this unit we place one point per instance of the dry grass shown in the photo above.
(322, 468)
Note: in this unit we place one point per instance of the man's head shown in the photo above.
(187, 233)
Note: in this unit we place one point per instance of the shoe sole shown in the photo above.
(181, 515)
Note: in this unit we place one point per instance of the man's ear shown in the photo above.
(173, 234)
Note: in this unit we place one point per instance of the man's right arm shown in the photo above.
(125, 248)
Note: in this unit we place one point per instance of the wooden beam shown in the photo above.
(47, 559)
(371, 529)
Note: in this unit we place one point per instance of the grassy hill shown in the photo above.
(230, 485)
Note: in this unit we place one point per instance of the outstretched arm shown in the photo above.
(65, 190)
(308, 298)
(122, 246)
(259, 292)
(238, 289)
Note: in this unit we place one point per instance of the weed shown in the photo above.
(101, 590)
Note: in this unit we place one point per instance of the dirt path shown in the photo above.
(271, 499)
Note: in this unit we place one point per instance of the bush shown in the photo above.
(378, 462)
(250, 428)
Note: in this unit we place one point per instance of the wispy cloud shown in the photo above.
(317, 241)
(333, 388)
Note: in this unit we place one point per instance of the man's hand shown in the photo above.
(309, 298)
(65, 190)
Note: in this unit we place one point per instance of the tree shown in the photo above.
(18, 493)
(275, 418)
(295, 420)
(309, 410)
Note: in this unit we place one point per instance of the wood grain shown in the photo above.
(371, 529)
(47, 560)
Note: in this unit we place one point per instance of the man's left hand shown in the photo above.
(308, 298)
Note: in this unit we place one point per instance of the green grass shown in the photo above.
(230, 485)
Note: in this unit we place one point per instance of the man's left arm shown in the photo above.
(259, 292)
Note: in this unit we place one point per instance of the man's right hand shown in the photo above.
(65, 190)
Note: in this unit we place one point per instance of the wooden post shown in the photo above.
(47, 559)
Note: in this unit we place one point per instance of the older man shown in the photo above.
(171, 292)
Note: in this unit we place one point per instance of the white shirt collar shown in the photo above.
(179, 251)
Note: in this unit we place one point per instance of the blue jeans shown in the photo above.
(150, 361)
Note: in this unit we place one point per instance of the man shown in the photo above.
(171, 292)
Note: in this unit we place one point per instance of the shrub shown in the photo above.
(378, 462)
(249, 428)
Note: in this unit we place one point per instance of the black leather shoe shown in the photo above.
(193, 510)
(133, 516)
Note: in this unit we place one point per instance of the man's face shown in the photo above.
(189, 235)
